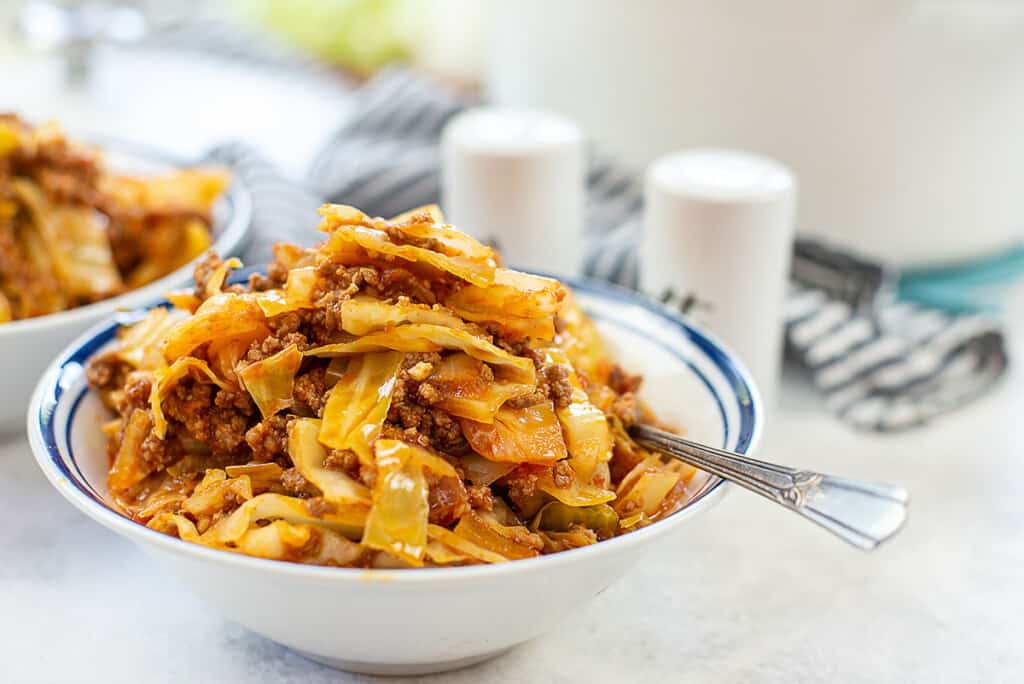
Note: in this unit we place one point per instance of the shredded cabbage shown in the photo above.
(223, 316)
(262, 476)
(457, 547)
(587, 435)
(350, 226)
(216, 282)
(524, 435)
(469, 392)
(297, 293)
(644, 488)
(271, 380)
(397, 522)
(482, 471)
(128, 468)
(359, 402)
(139, 344)
(165, 378)
(580, 340)
(346, 520)
(75, 238)
(511, 294)
(492, 536)
(362, 315)
(308, 456)
(577, 494)
(422, 337)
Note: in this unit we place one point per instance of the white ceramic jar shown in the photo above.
(901, 118)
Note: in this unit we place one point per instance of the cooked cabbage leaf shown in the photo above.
(587, 435)
(346, 520)
(468, 391)
(362, 315)
(349, 226)
(523, 435)
(308, 456)
(139, 343)
(270, 381)
(296, 294)
(165, 378)
(422, 337)
(397, 522)
(489, 534)
(223, 316)
(359, 402)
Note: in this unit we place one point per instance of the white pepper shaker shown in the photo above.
(718, 228)
(514, 177)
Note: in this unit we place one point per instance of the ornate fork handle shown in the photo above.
(862, 513)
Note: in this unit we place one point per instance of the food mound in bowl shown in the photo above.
(73, 233)
(391, 398)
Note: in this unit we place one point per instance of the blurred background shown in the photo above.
(899, 120)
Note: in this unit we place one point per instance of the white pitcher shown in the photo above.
(902, 119)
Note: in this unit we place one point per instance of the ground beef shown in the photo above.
(296, 485)
(268, 346)
(344, 281)
(203, 272)
(285, 324)
(563, 475)
(626, 408)
(429, 427)
(448, 499)
(427, 394)
(268, 439)
(160, 453)
(552, 384)
(556, 382)
(481, 498)
(28, 290)
(215, 417)
(261, 283)
(535, 397)
(66, 173)
(137, 387)
(622, 382)
(412, 411)
(400, 237)
(344, 460)
(310, 389)
(339, 282)
(521, 487)
(523, 537)
(106, 371)
(318, 507)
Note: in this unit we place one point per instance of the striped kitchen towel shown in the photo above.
(882, 364)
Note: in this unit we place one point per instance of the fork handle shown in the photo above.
(862, 513)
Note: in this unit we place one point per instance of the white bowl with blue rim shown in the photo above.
(425, 620)
(28, 346)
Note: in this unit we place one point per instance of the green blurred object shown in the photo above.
(970, 287)
(358, 35)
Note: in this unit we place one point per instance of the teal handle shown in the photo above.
(963, 288)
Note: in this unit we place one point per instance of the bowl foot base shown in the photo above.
(401, 669)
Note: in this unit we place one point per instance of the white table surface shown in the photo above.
(746, 593)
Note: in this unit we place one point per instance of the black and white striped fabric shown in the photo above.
(882, 365)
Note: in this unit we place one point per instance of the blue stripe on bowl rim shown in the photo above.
(70, 366)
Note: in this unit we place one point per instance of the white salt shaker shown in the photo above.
(515, 177)
(718, 227)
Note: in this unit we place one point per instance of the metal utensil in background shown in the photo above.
(864, 514)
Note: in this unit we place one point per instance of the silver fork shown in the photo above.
(864, 514)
